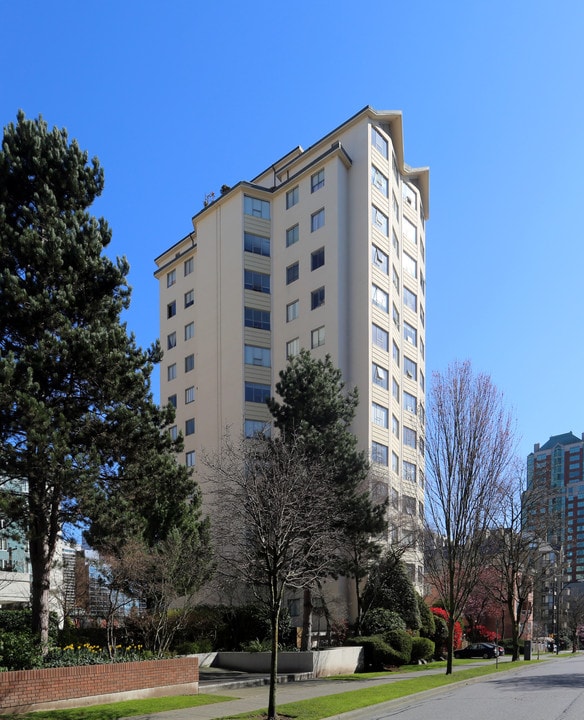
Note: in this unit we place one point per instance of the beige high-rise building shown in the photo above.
(323, 250)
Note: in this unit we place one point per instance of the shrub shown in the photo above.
(428, 626)
(379, 621)
(400, 644)
(19, 651)
(422, 649)
(193, 647)
(20, 621)
(376, 652)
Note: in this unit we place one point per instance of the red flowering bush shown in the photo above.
(479, 633)
(444, 615)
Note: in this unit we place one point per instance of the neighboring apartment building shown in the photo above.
(557, 467)
(323, 250)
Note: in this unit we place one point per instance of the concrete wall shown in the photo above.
(322, 663)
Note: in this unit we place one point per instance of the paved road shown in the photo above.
(551, 690)
(545, 691)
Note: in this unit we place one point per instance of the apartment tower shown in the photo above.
(324, 250)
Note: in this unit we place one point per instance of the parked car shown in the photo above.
(501, 650)
(478, 650)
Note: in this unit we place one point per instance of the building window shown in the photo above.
(379, 142)
(189, 266)
(409, 231)
(395, 426)
(317, 298)
(256, 244)
(171, 309)
(395, 168)
(252, 428)
(379, 259)
(173, 432)
(189, 298)
(317, 220)
(292, 348)
(190, 395)
(292, 197)
(317, 337)
(410, 403)
(422, 349)
(410, 265)
(422, 316)
(171, 372)
(409, 470)
(172, 400)
(170, 278)
(257, 208)
(410, 334)
(292, 310)
(190, 458)
(379, 376)
(292, 235)
(395, 316)
(171, 340)
(317, 259)
(379, 415)
(395, 389)
(189, 362)
(422, 282)
(395, 207)
(257, 281)
(394, 464)
(410, 299)
(292, 273)
(379, 220)
(259, 319)
(317, 181)
(409, 505)
(380, 337)
(257, 393)
(395, 354)
(422, 381)
(379, 453)
(190, 426)
(410, 437)
(259, 356)
(409, 196)
(395, 242)
(379, 180)
(379, 298)
(410, 368)
(395, 279)
(189, 330)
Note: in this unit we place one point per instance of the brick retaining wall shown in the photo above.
(24, 690)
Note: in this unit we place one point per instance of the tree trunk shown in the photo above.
(273, 667)
(307, 620)
(40, 561)
(450, 649)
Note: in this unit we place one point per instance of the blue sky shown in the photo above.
(179, 97)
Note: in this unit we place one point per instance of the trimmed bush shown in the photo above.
(376, 652)
(379, 621)
(422, 649)
(19, 651)
(400, 644)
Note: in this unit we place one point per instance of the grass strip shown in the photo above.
(330, 705)
(126, 708)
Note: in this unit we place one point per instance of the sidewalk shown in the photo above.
(250, 692)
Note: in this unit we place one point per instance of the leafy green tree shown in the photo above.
(390, 587)
(316, 410)
(427, 623)
(77, 420)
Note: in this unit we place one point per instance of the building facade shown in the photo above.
(324, 250)
(557, 469)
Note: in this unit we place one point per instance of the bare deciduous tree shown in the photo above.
(272, 523)
(469, 447)
(514, 550)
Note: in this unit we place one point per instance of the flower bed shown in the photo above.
(26, 690)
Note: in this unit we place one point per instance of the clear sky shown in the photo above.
(179, 97)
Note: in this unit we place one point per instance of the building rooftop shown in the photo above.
(566, 439)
